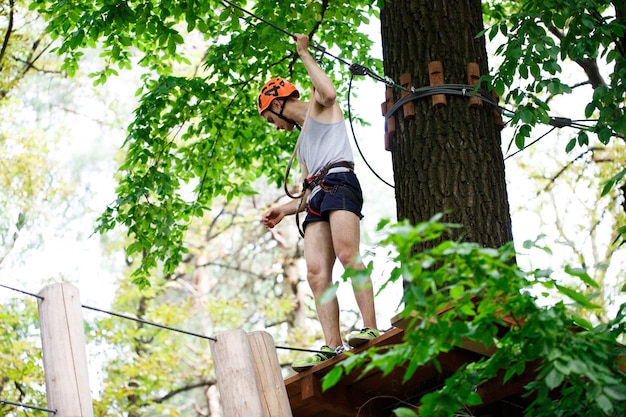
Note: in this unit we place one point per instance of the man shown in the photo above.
(333, 195)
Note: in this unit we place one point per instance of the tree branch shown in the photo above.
(563, 169)
(620, 15)
(7, 36)
(182, 389)
(590, 66)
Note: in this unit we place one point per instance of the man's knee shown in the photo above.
(348, 255)
(318, 281)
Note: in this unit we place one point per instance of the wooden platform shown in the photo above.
(376, 396)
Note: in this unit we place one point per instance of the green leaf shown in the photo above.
(621, 234)
(554, 378)
(559, 20)
(582, 274)
(582, 322)
(481, 33)
(404, 412)
(329, 294)
(473, 399)
(332, 378)
(604, 403)
(612, 181)
(617, 392)
(457, 291)
(576, 296)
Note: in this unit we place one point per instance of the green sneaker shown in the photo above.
(361, 337)
(324, 354)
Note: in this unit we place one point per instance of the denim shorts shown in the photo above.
(339, 191)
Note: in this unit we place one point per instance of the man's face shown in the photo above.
(278, 122)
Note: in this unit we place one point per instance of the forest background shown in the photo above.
(62, 146)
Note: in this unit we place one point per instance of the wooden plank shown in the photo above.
(393, 336)
(307, 398)
(495, 390)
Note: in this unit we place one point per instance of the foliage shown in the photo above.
(237, 276)
(145, 366)
(22, 379)
(25, 186)
(195, 128)
(460, 291)
(540, 37)
(24, 42)
(565, 205)
(26, 170)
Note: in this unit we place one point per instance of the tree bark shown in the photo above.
(447, 159)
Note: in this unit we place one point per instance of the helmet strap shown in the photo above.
(282, 109)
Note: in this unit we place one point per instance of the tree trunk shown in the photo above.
(446, 159)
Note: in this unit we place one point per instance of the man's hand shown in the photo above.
(272, 217)
(302, 43)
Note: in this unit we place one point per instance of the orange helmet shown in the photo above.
(276, 87)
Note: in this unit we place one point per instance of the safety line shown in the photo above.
(22, 291)
(452, 89)
(299, 349)
(121, 316)
(354, 68)
(249, 13)
(463, 90)
(531, 143)
(150, 323)
(469, 91)
(32, 407)
(154, 324)
(355, 139)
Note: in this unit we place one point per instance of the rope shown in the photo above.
(161, 326)
(469, 91)
(150, 324)
(278, 28)
(299, 349)
(531, 143)
(355, 68)
(22, 291)
(32, 407)
(463, 90)
(355, 140)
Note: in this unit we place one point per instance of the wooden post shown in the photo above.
(64, 351)
(271, 383)
(240, 395)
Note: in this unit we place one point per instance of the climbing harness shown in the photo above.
(318, 180)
